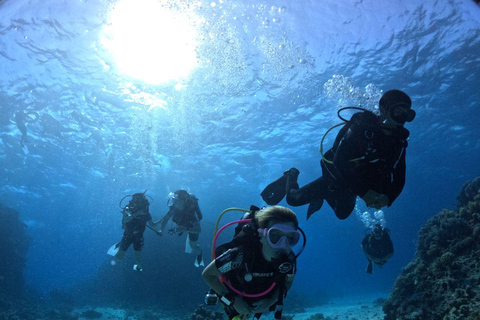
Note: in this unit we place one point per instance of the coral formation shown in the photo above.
(203, 314)
(91, 314)
(443, 279)
(319, 316)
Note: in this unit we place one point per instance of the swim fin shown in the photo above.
(199, 261)
(370, 267)
(275, 191)
(188, 247)
(114, 249)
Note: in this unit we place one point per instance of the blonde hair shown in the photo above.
(275, 214)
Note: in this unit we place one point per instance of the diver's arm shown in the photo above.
(211, 276)
(164, 220)
(289, 282)
(154, 225)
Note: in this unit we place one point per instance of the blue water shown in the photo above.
(269, 78)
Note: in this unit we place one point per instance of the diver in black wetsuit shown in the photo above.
(21, 118)
(135, 217)
(377, 246)
(367, 160)
(185, 212)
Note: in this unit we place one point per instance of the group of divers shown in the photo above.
(254, 271)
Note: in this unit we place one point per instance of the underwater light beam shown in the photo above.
(150, 42)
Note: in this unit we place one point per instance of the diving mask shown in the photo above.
(401, 113)
(172, 199)
(281, 236)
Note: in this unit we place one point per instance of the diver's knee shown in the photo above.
(293, 199)
(195, 247)
(342, 214)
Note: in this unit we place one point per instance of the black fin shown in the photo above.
(370, 267)
(275, 191)
(314, 207)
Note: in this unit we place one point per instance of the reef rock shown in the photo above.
(14, 244)
(442, 282)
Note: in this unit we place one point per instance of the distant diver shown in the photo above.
(21, 120)
(186, 214)
(377, 246)
(367, 160)
(135, 218)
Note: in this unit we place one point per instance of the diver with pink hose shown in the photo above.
(252, 273)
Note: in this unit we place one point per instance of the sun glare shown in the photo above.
(151, 43)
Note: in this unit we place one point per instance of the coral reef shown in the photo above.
(443, 280)
(319, 316)
(91, 314)
(14, 244)
(203, 314)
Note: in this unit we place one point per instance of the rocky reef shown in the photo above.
(14, 244)
(442, 282)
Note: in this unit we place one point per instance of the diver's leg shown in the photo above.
(195, 247)
(138, 259)
(120, 255)
(137, 247)
(123, 247)
(342, 202)
(193, 238)
(314, 191)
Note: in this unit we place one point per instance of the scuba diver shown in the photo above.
(135, 218)
(186, 214)
(377, 246)
(253, 272)
(367, 160)
(21, 119)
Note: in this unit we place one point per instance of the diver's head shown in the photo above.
(176, 198)
(278, 230)
(139, 201)
(397, 106)
(378, 231)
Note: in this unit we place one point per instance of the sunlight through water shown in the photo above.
(150, 42)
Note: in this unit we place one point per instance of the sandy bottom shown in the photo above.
(351, 308)
(348, 308)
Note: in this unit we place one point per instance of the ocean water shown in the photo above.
(219, 98)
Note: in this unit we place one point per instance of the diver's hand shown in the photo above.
(160, 233)
(241, 306)
(260, 306)
(375, 200)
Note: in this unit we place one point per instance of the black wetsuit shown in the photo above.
(238, 266)
(186, 217)
(134, 223)
(364, 158)
(378, 250)
(20, 122)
